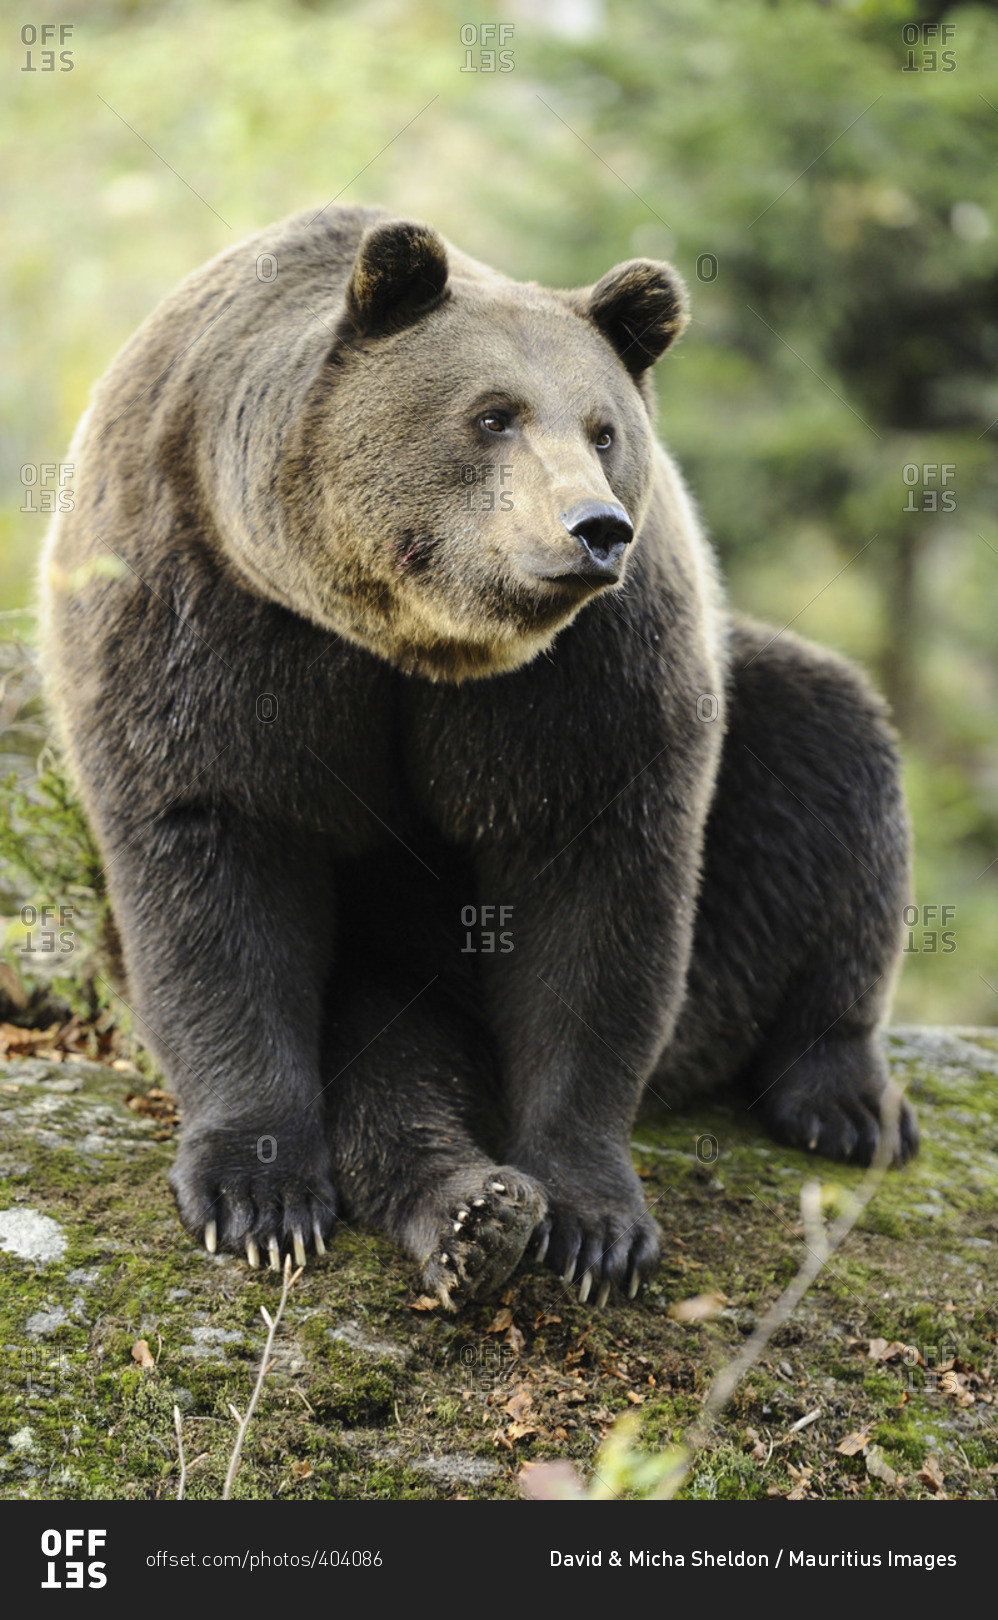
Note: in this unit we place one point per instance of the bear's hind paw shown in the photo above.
(483, 1237)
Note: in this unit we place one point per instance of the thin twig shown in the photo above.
(272, 1325)
(802, 1423)
(180, 1453)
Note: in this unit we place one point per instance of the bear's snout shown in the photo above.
(603, 531)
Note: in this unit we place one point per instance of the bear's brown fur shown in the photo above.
(378, 607)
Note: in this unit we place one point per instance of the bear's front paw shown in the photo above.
(598, 1233)
(255, 1191)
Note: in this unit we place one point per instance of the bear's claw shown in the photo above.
(842, 1123)
(598, 1235)
(597, 1256)
(232, 1201)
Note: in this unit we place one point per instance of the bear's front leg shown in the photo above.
(226, 934)
(580, 1006)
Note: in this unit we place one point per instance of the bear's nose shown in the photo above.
(603, 529)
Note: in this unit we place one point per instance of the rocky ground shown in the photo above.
(884, 1383)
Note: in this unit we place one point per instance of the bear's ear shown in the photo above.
(640, 307)
(399, 274)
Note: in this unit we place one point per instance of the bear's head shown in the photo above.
(480, 452)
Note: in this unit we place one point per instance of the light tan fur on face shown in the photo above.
(333, 442)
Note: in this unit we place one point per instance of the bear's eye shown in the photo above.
(604, 439)
(494, 422)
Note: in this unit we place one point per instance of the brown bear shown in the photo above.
(446, 810)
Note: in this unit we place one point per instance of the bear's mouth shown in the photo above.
(586, 576)
(590, 566)
(580, 579)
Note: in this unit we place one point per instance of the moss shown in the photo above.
(881, 1384)
(904, 1446)
(888, 1222)
(724, 1474)
(845, 1372)
(352, 1388)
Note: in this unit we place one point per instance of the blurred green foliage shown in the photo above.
(821, 173)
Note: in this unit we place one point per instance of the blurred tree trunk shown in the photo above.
(900, 674)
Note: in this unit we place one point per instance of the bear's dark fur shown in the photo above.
(349, 641)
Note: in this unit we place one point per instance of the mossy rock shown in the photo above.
(372, 1395)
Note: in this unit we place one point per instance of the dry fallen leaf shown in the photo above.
(502, 1320)
(519, 1431)
(931, 1474)
(890, 1350)
(424, 1303)
(154, 1104)
(514, 1338)
(520, 1403)
(302, 1469)
(955, 1384)
(142, 1354)
(853, 1443)
(15, 1039)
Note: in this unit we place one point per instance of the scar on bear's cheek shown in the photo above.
(413, 551)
